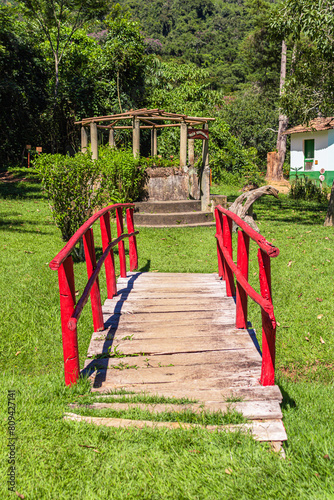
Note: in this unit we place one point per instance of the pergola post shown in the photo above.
(84, 140)
(154, 142)
(112, 142)
(183, 144)
(205, 174)
(191, 152)
(93, 141)
(136, 136)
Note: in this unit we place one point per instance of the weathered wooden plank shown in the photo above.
(171, 345)
(249, 409)
(173, 390)
(218, 375)
(168, 305)
(271, 430)
(169, 318)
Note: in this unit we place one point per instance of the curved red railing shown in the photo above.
(70, 311)
(228, 269)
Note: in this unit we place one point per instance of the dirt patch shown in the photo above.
(9, 178)
(282, 187)
(296, 373)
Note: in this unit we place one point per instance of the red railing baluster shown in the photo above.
(220, 255)
(241, 299)
(67, 305)
(121, 248)
(95, 296)
(133, 254)
(227, 239)
(268, 329)
(110, 261)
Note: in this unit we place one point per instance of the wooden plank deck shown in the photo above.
(173, 335)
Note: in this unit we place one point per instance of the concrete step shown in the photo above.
(158, 207)
(168, 219)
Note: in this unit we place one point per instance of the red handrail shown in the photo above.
(228, 269)
(70, 312)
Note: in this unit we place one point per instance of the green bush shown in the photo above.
(306, 189)
(123, 176)
(71, 186)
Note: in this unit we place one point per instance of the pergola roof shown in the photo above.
(148, 116)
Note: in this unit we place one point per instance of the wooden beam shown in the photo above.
(93, 141)
(154, 144)
(191, 152)
(84, 140)
(183, 144)
(205, 175)
(112, 142)
(136, 137)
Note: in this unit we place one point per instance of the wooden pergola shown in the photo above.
(152, 119)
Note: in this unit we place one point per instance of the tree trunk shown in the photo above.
(277, 173)
(329, 221)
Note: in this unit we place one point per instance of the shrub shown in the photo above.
(71, 186)
(306, 189)
(123, 176)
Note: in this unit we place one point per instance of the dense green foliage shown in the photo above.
(77, 185)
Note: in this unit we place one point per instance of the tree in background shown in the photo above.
(310, 88)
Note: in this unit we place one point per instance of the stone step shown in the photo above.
(158, 207)
(176, 218)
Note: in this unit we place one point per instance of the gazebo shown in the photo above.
(191, 128)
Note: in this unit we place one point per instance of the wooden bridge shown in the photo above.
(175, 335)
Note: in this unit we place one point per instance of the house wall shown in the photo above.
(323, 152)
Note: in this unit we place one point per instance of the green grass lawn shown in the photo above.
(56, 459)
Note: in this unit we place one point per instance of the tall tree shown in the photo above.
(59, 20)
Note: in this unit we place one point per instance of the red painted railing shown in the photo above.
(228, 269)
(69, 310)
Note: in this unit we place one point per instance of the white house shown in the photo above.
(312, 149)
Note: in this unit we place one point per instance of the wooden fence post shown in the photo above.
(220, 255)
(133, 253)
(205, 175)
(121, 248)
(227, 239)
(242, 263)
(95, 296)
(110, 261)
(67, 305)
(268, 330)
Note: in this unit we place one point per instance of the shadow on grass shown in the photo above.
(287, 402)
(290, 211)
(20, 190)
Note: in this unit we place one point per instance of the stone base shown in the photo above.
(171, 184)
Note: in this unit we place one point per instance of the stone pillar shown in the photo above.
(154, 142)
(205, 175)
(93, 141)
(136, 137)
(84, 140)
(112, 142)
(191, 152)
(183, 144)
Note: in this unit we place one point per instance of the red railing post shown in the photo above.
(95, 296)
(219, 230)
(110, 261)
(241, 299)
(227, 239)
(268, 328)
(121, 248)
(133, 254)
(67, 305)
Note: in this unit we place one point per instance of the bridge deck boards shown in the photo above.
(173, 335)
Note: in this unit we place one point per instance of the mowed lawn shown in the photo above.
(66, 460)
